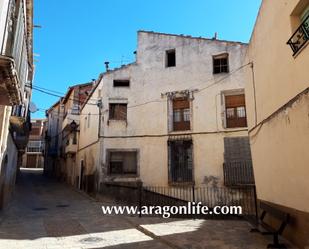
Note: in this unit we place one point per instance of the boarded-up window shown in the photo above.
(237, 149)
(181, 114)
(118, 111)
(123, 162)
(220, 64)
(235, 109)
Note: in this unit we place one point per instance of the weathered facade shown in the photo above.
(72, 103)
(167, 118)
(16, 73)
(277, 97)
(63, 132)
(34, 156)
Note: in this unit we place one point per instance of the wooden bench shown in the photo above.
(261, 225)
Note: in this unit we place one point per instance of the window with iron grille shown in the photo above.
(181, 114)
(180, 161)
(300, 33)
(118, 111)
(220, 64)
(122, 162)
(235, 111)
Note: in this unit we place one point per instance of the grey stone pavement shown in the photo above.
(45, 214)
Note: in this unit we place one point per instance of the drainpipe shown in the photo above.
(99, 104)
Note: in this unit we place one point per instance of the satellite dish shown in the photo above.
(32, 107)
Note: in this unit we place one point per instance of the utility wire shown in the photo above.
(58, 96)
(156, 100)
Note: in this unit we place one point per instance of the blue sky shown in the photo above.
(77, 36)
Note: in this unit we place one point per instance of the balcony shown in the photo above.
(300, 37)
(20, 127)
(238, 173)
(15, 62)
(35, 147)
(72, 114)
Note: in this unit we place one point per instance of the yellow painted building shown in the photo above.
(277, 98)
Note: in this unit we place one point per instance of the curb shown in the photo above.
(152, 235)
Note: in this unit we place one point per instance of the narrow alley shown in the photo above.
(46, 214)
(154, 124)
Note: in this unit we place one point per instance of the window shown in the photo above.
(170, 58)
(121, 83)
(181, 114)
(180, 161)
(123, 162)
(235, 111)
(220, 64)
(118, 111)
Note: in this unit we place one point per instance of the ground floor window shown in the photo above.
(122, 162)
(180, 161)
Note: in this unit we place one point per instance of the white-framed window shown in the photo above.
(122, 162)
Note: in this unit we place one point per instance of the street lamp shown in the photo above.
(73, 126)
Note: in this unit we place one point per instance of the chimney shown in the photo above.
(106, 66)
(216, 36)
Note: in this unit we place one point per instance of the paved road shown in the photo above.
(45, 214)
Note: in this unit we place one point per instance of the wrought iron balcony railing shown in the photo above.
(35, 146)
(300, 37)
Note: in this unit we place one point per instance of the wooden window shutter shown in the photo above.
(181, 103)
(122, 111)
(234, 101)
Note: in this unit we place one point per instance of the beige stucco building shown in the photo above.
(62, 133)
(171, 118)
(277, 98)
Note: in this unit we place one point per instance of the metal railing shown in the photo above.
(300, 37)
(140, 195)
(35, 146)
(238, 173)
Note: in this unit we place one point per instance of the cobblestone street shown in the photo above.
(45, 214)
